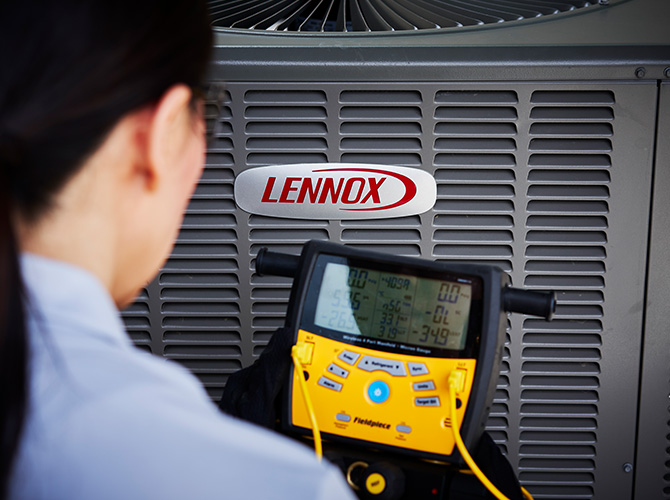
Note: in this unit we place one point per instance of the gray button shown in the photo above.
(370, 364)
(348, 357)
(403, 428)
(340, 372)
(417, 369)
(342, 417)
(428, 385)
(434, 401)
(329, 384)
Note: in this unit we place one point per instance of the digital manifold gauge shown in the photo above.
(381, 336)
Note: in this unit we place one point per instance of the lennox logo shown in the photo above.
(335, 191)
(351, 194)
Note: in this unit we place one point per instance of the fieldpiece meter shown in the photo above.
(379, 337)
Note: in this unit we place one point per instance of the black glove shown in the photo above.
(252, 393)
(495, 466)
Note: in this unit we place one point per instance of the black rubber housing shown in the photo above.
(490, 341)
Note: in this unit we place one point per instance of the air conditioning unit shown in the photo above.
(546, 126)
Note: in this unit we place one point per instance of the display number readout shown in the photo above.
(397, 307)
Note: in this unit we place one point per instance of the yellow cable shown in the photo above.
(454, 427)
(308, 402)
(464, 452)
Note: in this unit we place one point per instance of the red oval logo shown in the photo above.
(335, 191)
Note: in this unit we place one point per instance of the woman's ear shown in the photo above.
(168, 131)
(165, 145)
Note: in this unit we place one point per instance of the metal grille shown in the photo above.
(379, 15)
(474, 154)
(568, 177)
(529, 177)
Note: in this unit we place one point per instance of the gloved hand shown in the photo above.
(495, 466)
(252, 393)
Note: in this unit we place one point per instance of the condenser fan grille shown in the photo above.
(379, 15)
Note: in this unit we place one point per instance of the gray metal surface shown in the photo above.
(551, 181)
(607, 42)
(652, 476)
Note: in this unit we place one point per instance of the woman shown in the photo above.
(101, 144)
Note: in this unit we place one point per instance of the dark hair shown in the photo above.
(70, 71)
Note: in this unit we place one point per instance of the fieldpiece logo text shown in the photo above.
(335, 191)
(371, 423)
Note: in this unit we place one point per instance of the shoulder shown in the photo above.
(140, 427)
(109, 421)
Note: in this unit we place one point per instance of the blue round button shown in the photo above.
(378, 391)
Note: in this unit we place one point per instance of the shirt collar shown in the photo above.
(61, 292)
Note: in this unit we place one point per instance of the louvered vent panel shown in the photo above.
(475, 144)
(379, 15)
(270, 293)
(568, 205)
(401, 236)
(382, 127)
(199, 284)
(281, 127)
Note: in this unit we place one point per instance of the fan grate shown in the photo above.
(344, 16)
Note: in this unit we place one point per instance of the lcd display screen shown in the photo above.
(414, 310)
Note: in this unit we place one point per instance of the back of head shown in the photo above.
(73, 68)
(70, 71)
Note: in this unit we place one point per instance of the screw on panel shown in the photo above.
(666, 72)
(603, 2)
(627, 468)
(640, 72)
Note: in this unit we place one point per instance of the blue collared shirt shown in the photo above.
(108, 421)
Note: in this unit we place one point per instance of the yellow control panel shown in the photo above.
(380, 397)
